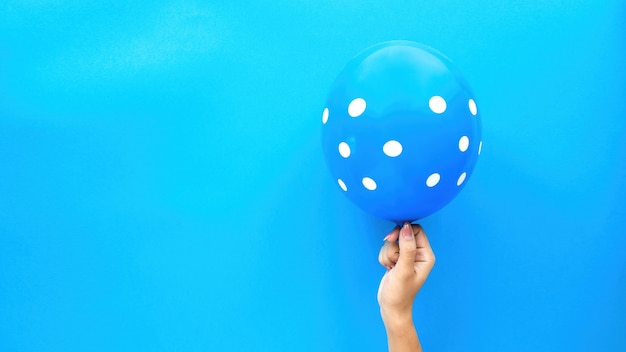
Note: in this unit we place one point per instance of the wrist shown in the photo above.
(397, 319)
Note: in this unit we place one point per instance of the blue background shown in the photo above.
(162, 186)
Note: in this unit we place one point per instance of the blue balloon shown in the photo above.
(401, 131)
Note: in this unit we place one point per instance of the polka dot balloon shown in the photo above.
(401, 131)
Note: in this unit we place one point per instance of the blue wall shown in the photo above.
(162, 186)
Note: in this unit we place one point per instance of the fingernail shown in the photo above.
(386, 237)
(407, 231)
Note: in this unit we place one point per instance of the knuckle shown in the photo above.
(409, 250)
(394, 256)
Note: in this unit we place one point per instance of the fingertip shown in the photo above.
(406, 231)
(393, 235)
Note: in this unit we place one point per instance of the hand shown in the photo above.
(408, 264)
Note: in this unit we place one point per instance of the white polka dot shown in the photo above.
(463, 143)
(437, 104)
(472, 107)
(344, 149)
(369, 183)
(392, 148)
(461, 179)
(356, 107)
(342, 185)
(325, 116)
(480, 147)
(433, 180)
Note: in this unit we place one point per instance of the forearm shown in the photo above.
(401, 334)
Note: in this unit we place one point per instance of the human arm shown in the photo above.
(408, 262)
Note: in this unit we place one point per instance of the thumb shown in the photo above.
(408, 248)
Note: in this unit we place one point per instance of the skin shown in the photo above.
(408, 257)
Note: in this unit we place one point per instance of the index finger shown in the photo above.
(393, 235)
(423, 245)
(420, 237)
